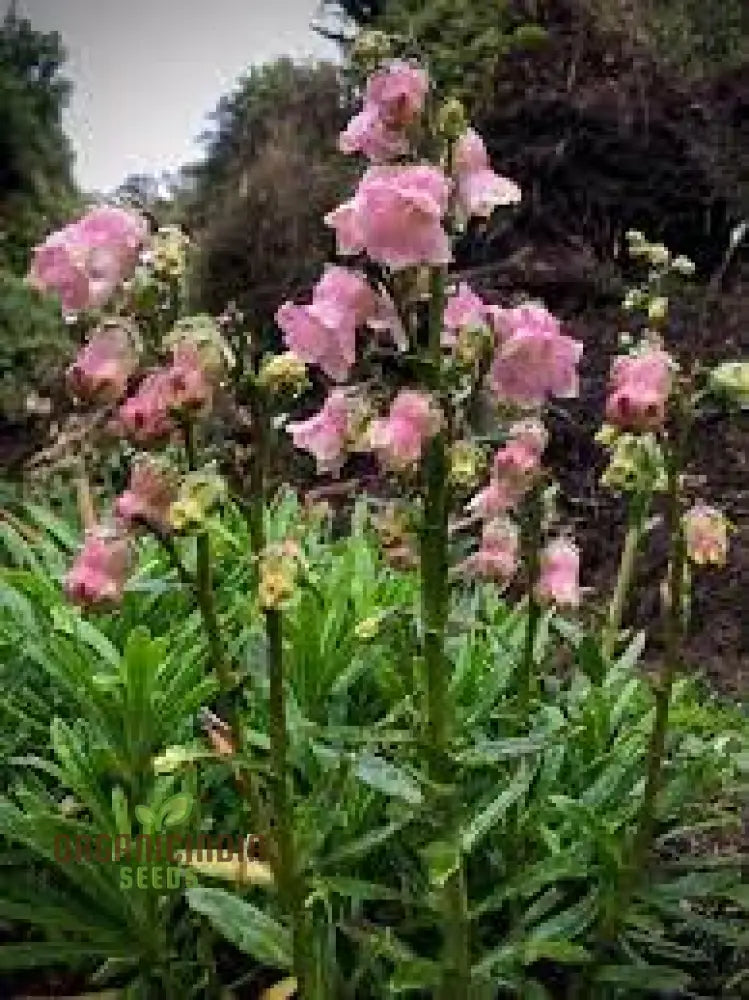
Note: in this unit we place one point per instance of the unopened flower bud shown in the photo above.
(370, 49)
(706, 535)
(279, 569)
(466, 464)
(284, 373)
(634, 299)
(368, 628)
(168, 253)
(658, 254)
(199, 494)
(202, 334)
(452, 120)
(683, 265)
(731, 379)
(658, 309)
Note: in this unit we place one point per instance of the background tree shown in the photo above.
(37, 193)
(256, 202)
(36, 185)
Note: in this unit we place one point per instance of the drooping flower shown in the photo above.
(396, 216)
(393, 100)
(99, 573)
(399, 439)
(536, 360)
(398, 91)
(497, 556)
(639, 389)
(104, 365)
(706, 535)
(86, 261)
(558, 582)
(148, 497)
(369, 134)
(326, 433)
(145, 417)
(479, 189)
(324, 332)
(347, 289)
(191, 390)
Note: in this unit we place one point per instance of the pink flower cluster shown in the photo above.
(393, 100)
(639, 390)
(558, 582)
(85, 262)
(515, 468)
(104, 365)
(100, 571)
(183, 388)
(497, 557)
(400, 437)
(534, 359)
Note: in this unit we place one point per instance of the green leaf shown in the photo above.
(493, 813)
(385, 777)
(244, 925)
(643, 977)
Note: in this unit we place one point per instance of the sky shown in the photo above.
(145, 73)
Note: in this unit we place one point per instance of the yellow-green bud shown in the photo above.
(169, 251)
(684, 266)
(371, 48)
(203, 333)
(199, 494)
(452, 120)
(658, 254)
(368, 628)
(279, 569)
(284, 373)
(658, 309)
(467, 464)
(731, 379)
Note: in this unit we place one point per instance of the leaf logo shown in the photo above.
(173, 812)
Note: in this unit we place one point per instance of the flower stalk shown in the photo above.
(434, 607)
(532, 558)
(674, 634)
(285, 868)
(637, 514)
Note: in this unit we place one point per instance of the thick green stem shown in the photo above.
(532, 557)
(434, 538)
(637, 513)
(674, 627)
(286, 873)
(258, 470)
(204, 593)
(455, 982)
